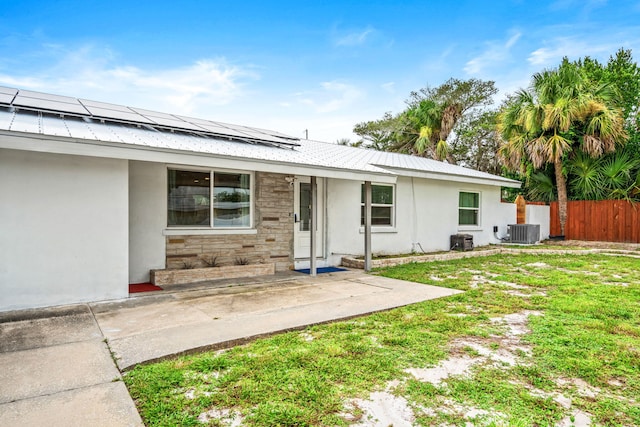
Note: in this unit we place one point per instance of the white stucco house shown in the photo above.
(96, 195)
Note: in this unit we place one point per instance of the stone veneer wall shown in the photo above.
(273, 242)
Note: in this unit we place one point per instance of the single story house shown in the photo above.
(96, 195)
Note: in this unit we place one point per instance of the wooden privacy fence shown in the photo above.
(602, 220)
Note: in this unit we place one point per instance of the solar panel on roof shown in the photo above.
(89, 104)
(45, 101)
(53, 106)
(149, 113)
(175, 123)
(6, 98)
(69, 107)
(218, 130)
(48, 96)
(7, 94)
(260, 134)
(112, 111)
(168, 120)
(120, 115)
(4, 89)
(211, 126)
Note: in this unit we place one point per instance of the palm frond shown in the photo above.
(585, 178)
(616, 172)
(442, 148)
(541, 188)
(556, 147)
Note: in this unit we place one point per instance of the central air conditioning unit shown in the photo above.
(526, 234)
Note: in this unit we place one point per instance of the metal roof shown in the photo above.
(196, 136)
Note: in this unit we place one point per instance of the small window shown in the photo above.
(469, 208)
(382, 205)
(190, 196)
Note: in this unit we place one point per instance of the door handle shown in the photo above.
(295, 217)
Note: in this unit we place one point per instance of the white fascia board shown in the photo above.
(455, 178)
(81, 147)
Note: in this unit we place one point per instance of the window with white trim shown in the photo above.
(208, 199)
(468, 208)
(382, 205)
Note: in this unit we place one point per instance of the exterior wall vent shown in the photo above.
(526, 234)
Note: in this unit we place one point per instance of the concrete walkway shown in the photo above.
(56, 368)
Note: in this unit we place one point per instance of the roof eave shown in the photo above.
(447, 176)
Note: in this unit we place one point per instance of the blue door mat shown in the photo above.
(321, 270)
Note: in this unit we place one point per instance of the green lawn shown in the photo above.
(547, 338)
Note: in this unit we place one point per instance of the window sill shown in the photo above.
(375, 230)
(469, 228)
(206, 231)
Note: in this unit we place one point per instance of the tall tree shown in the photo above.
(435, 112)
(561, 113)
(431, 116)
(379, 134)
(476, 142)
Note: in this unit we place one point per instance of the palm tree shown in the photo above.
(432, 122)
(562, 112)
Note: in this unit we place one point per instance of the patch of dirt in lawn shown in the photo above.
(598, 245)
(383, 409)
(459, 366)
(224, 417)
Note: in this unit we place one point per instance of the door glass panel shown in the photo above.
(305, 206)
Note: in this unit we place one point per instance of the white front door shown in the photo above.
(302, 212)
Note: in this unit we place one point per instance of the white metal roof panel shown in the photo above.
(6, 118)
(52, 125)
(79, 129)
(25, 121)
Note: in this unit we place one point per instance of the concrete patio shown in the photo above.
(57, 365)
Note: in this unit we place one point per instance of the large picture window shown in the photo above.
(468, 208)
(382, 205)
(209, 199)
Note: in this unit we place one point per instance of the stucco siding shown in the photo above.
(147, 218)
(64, 235)
(426, 215)
(539, 214)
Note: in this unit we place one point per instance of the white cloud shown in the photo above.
(573, 5)
(389, 87)
(556, 49)
(494, 55)
(332, 96)
(92, 73)
(355, 38)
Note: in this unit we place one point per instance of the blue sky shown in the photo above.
(295, 65)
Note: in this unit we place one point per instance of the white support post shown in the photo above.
(312, 226)
(367, 226)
